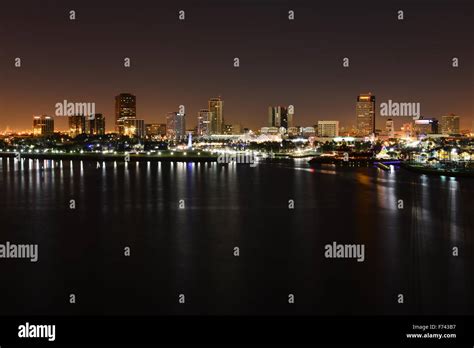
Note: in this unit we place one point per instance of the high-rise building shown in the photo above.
(279, 116)
(287, 119)
(328, 128)
(133, 127)
(365, 112)
(95, 124)
(204, 122)
(274, 116)
(43, 125)
(176, 126)
(77, 125)
(390, 128)
(450, 124)
(216, 108)
(425, 126)
(155, 129)
(125, 109)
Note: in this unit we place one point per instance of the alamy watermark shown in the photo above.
(393, 109)
(238, 158)
(74, 109)
(19, 251)
(37, 331)
(345, 251)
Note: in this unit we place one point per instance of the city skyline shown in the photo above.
(380, 121)
(281, 163)
(176, 62)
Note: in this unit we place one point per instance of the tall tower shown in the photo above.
(95, 124)
(175, 126)
(274, 119)
(216, 108)
(279, 116)
(77, 125)
(125, 109)
(365, 112)
(450, 124)
(43, 125)
(204, 121)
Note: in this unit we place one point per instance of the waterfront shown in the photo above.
(190, 250)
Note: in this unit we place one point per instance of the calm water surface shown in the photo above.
(190, 250)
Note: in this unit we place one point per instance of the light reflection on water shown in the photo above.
(225, 206)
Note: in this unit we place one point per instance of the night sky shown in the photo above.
(282, 62)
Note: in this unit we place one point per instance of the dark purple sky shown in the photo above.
(282, 62)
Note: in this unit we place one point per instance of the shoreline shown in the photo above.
(99, 157)
(194, 157)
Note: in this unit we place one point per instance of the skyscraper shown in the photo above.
(176, 126)
(279, 116)
(77, 125)
(274, 116)
(151, 129)
(125, 108)
(134, 127)
(95, 125)
(365, 112)
(450, 124)
(43, 125)
(216, 108)
(155, 129)
(204, 122)
(287, 118)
